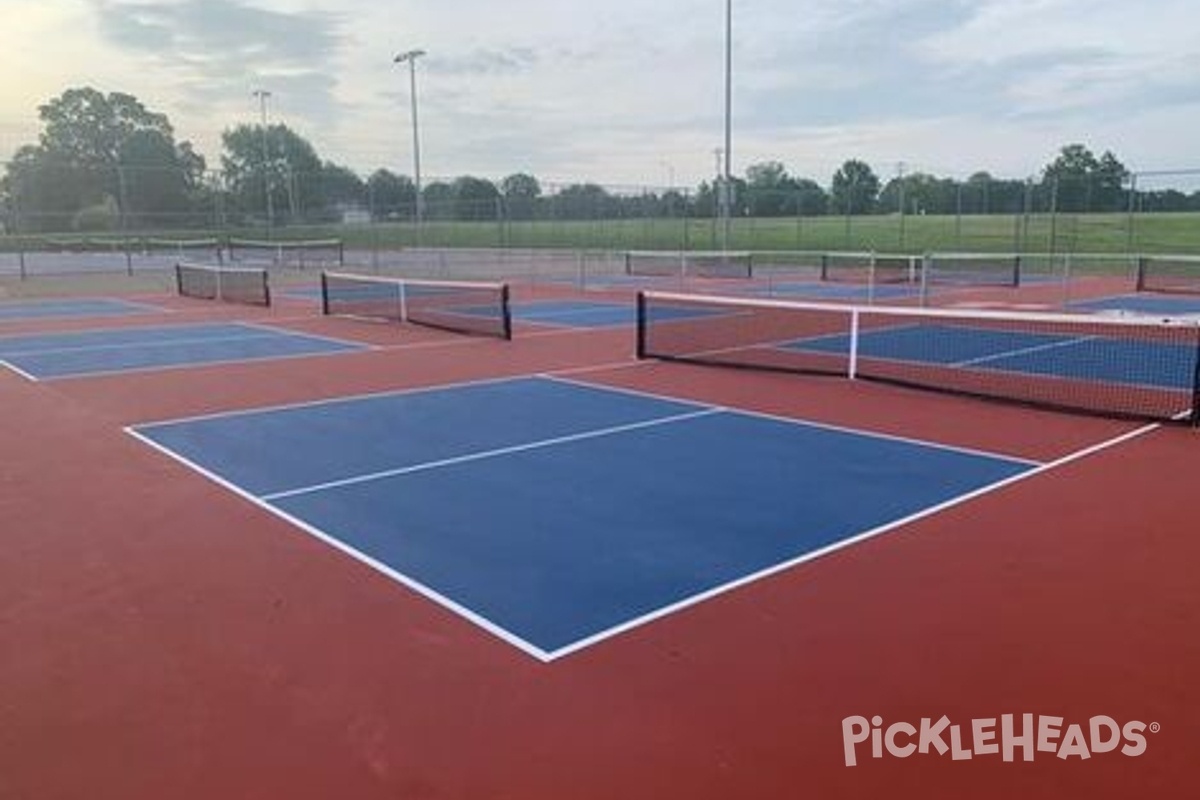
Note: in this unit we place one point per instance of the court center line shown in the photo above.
(135, 345)
(485, 454)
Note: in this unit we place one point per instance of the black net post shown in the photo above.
(507, 312)
(641, 326)
(325, 293)
(1195, 418)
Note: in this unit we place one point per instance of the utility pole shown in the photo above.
(262, 95)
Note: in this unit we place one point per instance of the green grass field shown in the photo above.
(1064, 233)
(1085, 233)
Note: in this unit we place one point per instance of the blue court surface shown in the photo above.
(1146, 305)
(584, 314)
(75, 307)
(1085, 357)
(555, 514)
(303, 293)
(97, 352)
(835, 291)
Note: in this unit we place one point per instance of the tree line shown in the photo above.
(106, 162)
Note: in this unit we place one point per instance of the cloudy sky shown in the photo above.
(630, 91)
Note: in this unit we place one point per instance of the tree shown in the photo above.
(1081, 182)
(855, 188)
(158, 179)
(437, 200)
(284, 161)
(521, 193)
(99, 149)
(340, 188)
(811, 199)
(475, 198)
(583, 201)
(770, 191)
(391, 196)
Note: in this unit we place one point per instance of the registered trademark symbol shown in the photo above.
(1155, 727)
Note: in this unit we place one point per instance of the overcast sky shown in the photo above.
(630, 91)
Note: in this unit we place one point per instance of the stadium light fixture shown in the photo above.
(410, 57)
(726, 194)
(262, 95)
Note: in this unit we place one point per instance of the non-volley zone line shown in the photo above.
(103, 352)
(73, 308)
(483, 497)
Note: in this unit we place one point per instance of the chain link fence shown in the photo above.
(66, 208)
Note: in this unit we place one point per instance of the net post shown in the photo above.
(641, 326)
(1140, 285)
(1195, 420)
(824, 266)
(1068, 270)
(1016, 280)
(324, 293)
(506, 312)
(872, 264)
(852, 367)
(128, 250)
(21, 260)
(266, 286)
(178, 278)
(926, 266)
(402, 289)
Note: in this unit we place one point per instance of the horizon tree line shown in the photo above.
(106, 162)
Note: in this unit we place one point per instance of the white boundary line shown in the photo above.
(200, 365)
(173, 326)
(27, 376)
(486, 454)
(418, 587)
(150, 345)
(275, 329)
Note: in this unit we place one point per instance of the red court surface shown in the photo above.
(163, 638)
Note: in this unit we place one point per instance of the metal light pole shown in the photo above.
(411, 57)
(262, 95)
(727, 182)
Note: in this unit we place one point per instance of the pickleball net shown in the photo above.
(298, 253)
(1169, 274)
(230, 284)
(1120, 367)
(460, 306)
(688, 264)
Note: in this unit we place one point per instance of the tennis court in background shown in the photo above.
(104, 352)
(71, 308)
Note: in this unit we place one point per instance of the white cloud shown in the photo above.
(626, 91)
